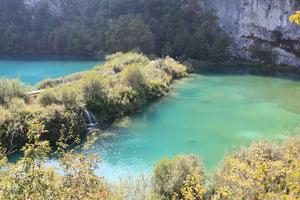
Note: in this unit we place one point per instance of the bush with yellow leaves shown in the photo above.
(179, 178)
(263, 171)
(295, 18)
(30, 178)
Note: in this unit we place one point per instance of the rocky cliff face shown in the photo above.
(260, 29)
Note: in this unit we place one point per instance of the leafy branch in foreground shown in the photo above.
(31, 178)
(295, 18)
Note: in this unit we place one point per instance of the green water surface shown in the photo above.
(206, 116)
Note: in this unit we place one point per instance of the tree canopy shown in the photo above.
(162, 27)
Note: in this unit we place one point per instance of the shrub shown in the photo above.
(52, 83)
(133, 77)
(62, 125)
(92, 86)
(80, 180)
(95, 94)
(179, 177)
(48, 97)
(137, 188)
(11, 88)
(119, 60)
(16, 104)
(69, 96)
(257, 172)
(157, 89)
(48, 83)
(175, 69)
(124, 100)
(13, 128)
(154, 71)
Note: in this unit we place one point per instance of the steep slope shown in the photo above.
(260, 29)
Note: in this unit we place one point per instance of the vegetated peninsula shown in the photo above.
(122, 85)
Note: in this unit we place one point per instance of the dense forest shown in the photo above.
(161, 27)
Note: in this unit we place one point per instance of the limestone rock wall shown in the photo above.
(260, 23)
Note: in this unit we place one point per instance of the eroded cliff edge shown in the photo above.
(260, 29)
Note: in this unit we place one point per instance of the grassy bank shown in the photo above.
(122, 85)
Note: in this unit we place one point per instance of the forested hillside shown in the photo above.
(162, 27)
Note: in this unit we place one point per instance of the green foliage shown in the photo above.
(156, 88)
(119, 60)
(69, 96)
(80, 181)
(129, 32)
(47, 98)
(29, 178)
(60, 123)
(174, 68)
(93, 87)
(66, 95)
(162, 27)
(133, 77)
(263, 54)
(16, 104)
(48, 83)
(52, 83)
(11, 88)
(179, 178)
(13, 128)
(217, 51)
(95, 95)
(124, 83)
(259, 172)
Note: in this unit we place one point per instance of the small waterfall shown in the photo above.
(91, 119)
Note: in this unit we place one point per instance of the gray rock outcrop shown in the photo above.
(260, 27)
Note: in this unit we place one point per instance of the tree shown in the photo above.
(162, 27)
(129, 32)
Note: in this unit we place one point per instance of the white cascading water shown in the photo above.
(92, 121)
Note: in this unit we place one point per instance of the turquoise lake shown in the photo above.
(206, 116)
(31, 71)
